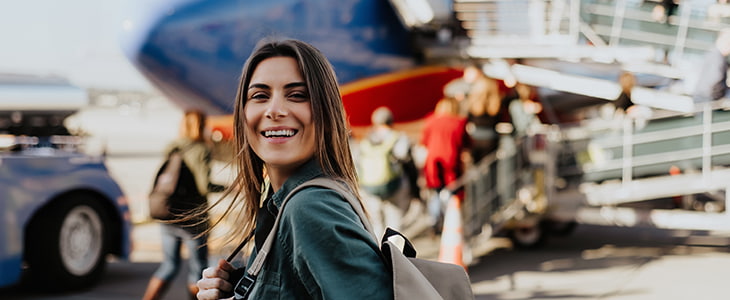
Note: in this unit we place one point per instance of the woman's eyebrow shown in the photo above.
(295, 84)
(286, 86)
(258, 86)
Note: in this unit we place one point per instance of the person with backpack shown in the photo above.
(190, 194)
(381, 168)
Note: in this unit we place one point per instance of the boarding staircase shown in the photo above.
(617, 32)
(504, 189)
(608, 31)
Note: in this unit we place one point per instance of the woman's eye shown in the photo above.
(298, 96)
(258, 96)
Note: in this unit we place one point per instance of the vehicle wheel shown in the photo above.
(67, 243)
(527, 237)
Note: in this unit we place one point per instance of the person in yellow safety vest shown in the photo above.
(381, 156)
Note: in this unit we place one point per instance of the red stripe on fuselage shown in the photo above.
(411, 94)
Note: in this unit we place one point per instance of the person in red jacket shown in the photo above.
(445, 138)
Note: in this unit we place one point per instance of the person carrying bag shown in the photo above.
(173, 180)
(181, 187)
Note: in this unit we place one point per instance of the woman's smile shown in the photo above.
(277, 135)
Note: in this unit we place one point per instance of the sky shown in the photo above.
(75, 39)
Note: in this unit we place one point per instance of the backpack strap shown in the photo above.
(243, 288)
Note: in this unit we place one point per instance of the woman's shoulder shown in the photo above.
(319, 216)
(315, 197)
(317, 204)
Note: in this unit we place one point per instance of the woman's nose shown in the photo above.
(276, 109)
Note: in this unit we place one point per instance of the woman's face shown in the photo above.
(278, 114)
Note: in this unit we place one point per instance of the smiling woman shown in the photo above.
(290, 128)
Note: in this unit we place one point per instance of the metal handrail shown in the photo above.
(630, 139)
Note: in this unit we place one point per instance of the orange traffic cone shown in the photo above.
(452, 239)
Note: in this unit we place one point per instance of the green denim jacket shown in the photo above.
(322, 250)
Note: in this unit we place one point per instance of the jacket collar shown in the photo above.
(306, 172)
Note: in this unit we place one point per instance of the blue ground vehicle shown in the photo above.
(60, 210)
